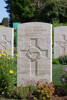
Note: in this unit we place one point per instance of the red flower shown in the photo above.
(38, 82)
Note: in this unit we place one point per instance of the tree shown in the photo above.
(37, 10)
(38, 5)
(5, 21)
(20, 10)
(54, 11)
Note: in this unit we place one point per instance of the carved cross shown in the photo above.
(34, 53)
(4, 42)
(63, 43)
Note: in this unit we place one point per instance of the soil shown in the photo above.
(60, 91)
(59, 98)
(53, 98)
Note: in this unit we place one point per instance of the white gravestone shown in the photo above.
(35, 52)
(60, 41)
(7, 40)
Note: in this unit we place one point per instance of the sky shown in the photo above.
(3, 12)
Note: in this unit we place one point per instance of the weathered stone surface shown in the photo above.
(7, 40)
(60, 41)
(35, 52)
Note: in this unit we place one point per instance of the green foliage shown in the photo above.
(5, 21)
(57, 72)
(20, 10)
(34, 98)
(64, 80)
(63, 60)
(54, 11)
(55, 61)
(21, 92)
(38, 92)
(51, 11)
(15, 37)
(7, 73)
(44, 91)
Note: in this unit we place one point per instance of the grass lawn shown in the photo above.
(58, 71)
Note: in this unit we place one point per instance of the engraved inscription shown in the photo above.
(34, 53)
(63, 43)
(4, 42)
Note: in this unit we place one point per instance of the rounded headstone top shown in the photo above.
(34, 24)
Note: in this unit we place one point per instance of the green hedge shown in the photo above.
(63, 60)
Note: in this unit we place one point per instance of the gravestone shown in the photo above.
(60, 41)
(7, 40)
(35, 52)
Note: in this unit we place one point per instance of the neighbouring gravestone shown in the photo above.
(7, 40)
(34, 62)
(60, 41)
